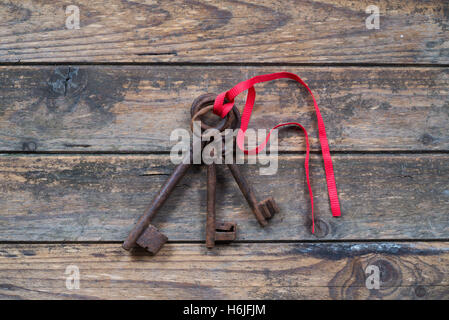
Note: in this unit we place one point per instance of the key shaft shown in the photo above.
(211, 195)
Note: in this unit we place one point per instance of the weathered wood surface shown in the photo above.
(123, 108)
(238, 271)
(100, 197)
(328, 31)
(128, 108)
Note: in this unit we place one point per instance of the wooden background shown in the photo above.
(85, 119)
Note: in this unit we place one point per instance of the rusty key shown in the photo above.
(215, 231)
(146, 235)
(264, 209)
(221, 231)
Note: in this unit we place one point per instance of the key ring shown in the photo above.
(204, 104)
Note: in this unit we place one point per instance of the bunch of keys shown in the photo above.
(151, 239)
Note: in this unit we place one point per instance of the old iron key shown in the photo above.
(146, 235)
(216, 231)
(264, 209)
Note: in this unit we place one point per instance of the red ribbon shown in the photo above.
(221, 108)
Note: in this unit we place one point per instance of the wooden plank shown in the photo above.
(100, 197)
(126, 108)
(239, 271)
(316, 31)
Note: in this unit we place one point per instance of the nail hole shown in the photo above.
(420, 291)
(322, 228)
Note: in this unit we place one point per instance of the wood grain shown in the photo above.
(243, 271)
(126, 108)
(384, 102)
(331, 31)
(100, 197)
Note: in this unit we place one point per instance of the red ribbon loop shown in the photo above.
(221, 108)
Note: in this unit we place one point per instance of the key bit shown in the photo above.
(268, 207)
(225, 231)
(152, 239)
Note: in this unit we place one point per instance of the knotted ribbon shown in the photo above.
(222, 108)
